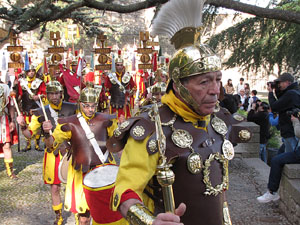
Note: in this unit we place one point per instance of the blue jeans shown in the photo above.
(263, 152)
(290, 143)
(277, 164)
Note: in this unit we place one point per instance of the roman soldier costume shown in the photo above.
(51, 158)
(6, 137)
(121, 88)
(173, 146)
(28, 87)
(87, 136)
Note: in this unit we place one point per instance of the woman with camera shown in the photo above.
(277, 164)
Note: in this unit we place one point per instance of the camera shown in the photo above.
(295, 112)
(273, 84)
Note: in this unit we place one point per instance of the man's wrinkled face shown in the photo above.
(119, 67)
(88, 108)
(54, 97)
(205, 89)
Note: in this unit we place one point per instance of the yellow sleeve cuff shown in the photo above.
(60, 136)
(137, 167)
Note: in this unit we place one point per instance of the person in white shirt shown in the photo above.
(240, 85)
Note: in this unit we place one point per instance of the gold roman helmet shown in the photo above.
(53, 86)
(159, 87)
(89, 95)
(182, 24)
(31, 68)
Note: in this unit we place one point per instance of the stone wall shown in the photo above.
(251, 148)
(290, 193)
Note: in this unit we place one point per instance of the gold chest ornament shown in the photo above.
(126, 78)
(183, 139)
(221, 128)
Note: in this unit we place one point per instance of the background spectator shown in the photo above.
(277, 164)
(252, 99)
(261, 118)
(240, 85)
(243, 98)
(288, 100)
(247, 89)
(229, 89)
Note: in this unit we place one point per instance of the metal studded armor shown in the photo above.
(201, 153)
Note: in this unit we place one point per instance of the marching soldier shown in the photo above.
(29, 87)
(56, 109)
(87, 132)
(155, 94)
(7, 115)
(121, 88)
(71, 81)
(189, 136)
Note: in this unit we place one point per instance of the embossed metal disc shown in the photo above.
(228, 150)
(219, 126)
(194, 163)
(138, 131)
(182, 138)
(238, 117)
(126, 78)
(124, 124)
(244, 135)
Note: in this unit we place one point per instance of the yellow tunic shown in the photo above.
(49, 158)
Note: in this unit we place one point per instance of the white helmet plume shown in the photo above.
(177, 14)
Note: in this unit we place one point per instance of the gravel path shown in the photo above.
(26, 201)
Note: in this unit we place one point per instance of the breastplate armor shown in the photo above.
(67, 109)
(203, 192)
(117, 96)
(83, 153)
(200, 207)
(27, 102)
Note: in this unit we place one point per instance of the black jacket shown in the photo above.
(289, 99)
(261, 118)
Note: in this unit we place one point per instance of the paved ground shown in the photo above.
(26, 201)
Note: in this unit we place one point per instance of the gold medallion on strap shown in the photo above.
(182, 138)
(228, 150)
(219, 126)
(194, 163)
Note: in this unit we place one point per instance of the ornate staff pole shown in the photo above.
(44, 111)
(165, 175)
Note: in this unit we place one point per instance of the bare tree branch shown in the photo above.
(41, 12)
(285, 15)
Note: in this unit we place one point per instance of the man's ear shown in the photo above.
(174, 87)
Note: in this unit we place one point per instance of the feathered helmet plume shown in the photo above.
(181, 21)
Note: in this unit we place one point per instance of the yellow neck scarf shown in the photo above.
(86, 117)
(30, 79)
(56, 107)
(180, 108)
(119, 75)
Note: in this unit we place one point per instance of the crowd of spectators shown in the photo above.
(282, 111)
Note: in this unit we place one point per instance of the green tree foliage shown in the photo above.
(258, 43)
